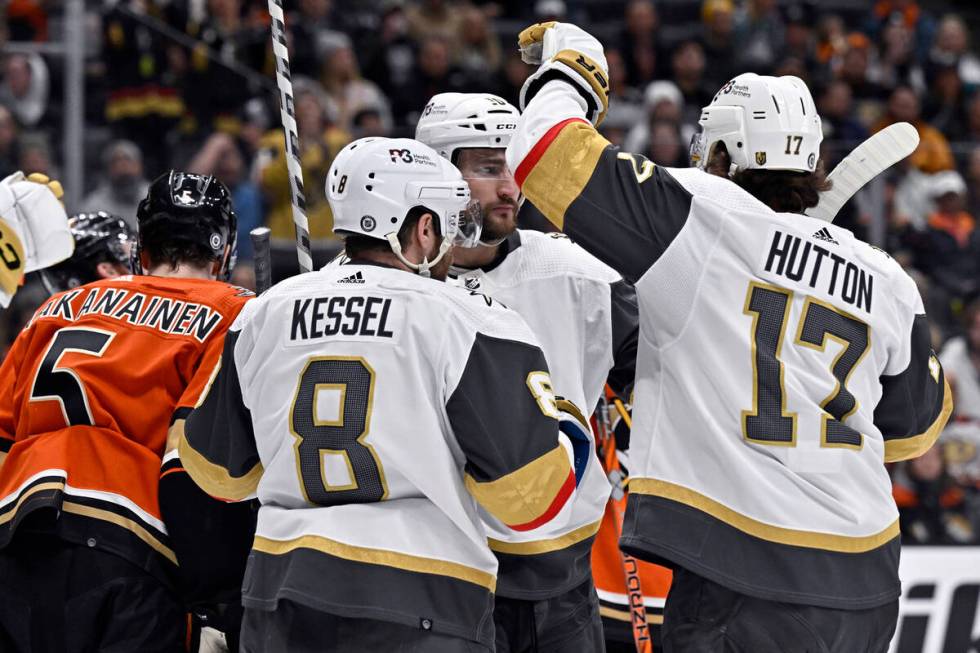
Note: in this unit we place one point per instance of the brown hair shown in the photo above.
(785, 191)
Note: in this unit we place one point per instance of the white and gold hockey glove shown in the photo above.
(565, 51)
(34, 230)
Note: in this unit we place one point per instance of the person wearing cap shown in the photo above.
(123, 185)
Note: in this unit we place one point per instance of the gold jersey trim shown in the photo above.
(394, 559)
(916, 445)
(563, 169)
(40, 487)
(545, 546)
(755, 528)
(623, 615)
(124, 522)
(211, 477)
(525, 494)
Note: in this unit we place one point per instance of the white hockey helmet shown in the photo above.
(453, 121)
(766, 123)
(373, 183)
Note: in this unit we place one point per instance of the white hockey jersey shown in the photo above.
(351, 400)
(781, 363)
(585, 317)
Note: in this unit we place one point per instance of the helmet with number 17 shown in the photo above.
(766, 123)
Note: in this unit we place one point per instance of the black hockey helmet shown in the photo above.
(99, 238)
(182, 207)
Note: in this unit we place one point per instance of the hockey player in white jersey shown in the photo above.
(781, 363)
(354, 402)
(585, 317)
(34, 229)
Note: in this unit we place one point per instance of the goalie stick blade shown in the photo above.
(867, 161)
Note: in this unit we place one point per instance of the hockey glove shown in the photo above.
(575, 427)
(33, 229)
(568, 53)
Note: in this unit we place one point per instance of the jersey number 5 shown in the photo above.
(62, 384)
(768, 422)
(335, 465)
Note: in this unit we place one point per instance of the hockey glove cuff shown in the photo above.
(568, 53)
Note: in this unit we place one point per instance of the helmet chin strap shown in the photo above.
(422, 269)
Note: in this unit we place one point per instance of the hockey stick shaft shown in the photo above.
(263, 258)
(864, 163)
(288, 117)
(631, 570)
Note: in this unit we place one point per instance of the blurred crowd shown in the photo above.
(190, 84)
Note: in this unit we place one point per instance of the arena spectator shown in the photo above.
(143, 70)
(320, 140)
(9, 153)
(688, 65)
(759, 33)
(854, 69)
(389, 52)
(666, 147)
(341, 78)
(625, 102)
(662, 102)
(123, 184)
(24, 89)
(831, 39)
(35, 155)
(223, 157)
(932, 508)
(640, 43)
(945, 105)
(973, 180)
(949, 249)
(960, 357)
(718, 41)
(313, 33)
(933, 154)
(440, 19)
(952, 47)
(512, 76)
(839, 125)
(479, 50)
(434, 73)
(897, 63)
(798, 40)
(910, 15)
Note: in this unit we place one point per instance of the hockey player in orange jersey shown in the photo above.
(91, 391)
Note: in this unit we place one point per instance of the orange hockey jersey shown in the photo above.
(88, 394)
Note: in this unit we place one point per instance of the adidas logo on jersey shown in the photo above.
(357, 277)
(825, 235)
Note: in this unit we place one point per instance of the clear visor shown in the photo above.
(465, 226)
(697, 152)
(489, 170)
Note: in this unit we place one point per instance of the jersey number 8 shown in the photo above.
(340, 439)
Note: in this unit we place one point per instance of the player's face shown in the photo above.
(492, 183)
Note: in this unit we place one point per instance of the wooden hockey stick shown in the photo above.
(864, 163)
(263, 258)
(288, 117)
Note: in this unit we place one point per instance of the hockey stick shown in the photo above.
(631, 570)
(288, 117)
(864, 163)
(263, 258)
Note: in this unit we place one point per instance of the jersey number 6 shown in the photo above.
(356, 475)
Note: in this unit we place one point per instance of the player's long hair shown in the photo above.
(785, 191)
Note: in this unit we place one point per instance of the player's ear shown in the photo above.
(425, 233)
(106, 270)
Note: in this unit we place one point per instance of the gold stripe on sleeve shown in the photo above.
(525, 494)
(916, 445)
(213, 478)
(536, 547)
(564, 169)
